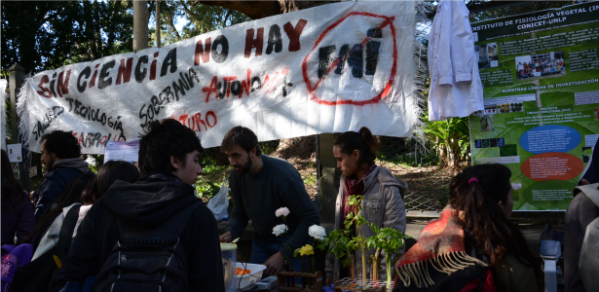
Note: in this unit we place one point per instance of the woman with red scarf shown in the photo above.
(382, 203)
(474, 246)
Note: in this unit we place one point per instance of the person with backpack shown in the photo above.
(17, 210)
(83, 191)
(382, 203)
(581, 217)
(473, 246)
(154, 234)
(51, 239)
(46, 233)
(61, 157)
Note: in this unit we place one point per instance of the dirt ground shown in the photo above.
(428, 187)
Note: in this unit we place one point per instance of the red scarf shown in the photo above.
(441, 245)
(353, 186)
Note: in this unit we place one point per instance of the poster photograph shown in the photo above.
(540, 73)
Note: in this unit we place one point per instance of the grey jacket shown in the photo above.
(382, 205)
(583, 210)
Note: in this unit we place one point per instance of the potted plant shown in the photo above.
(355, 219)
(337, 243)
(389, 241)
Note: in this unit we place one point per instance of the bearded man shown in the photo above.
(260, 185)
(61, 157)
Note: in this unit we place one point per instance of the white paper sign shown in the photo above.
(124, 151)
(15, 153)
(332, 68)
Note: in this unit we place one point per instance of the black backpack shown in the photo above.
(148, 259)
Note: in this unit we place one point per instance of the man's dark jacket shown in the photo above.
(56, 180)
(148, 202)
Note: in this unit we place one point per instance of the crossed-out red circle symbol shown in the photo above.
(387, 20)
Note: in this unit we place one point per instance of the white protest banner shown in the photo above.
(332, 68)
(3, 128)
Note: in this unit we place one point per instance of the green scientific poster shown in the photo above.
(540, 73)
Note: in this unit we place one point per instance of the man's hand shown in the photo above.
(274, 264)
(226, 237)
(585, 182)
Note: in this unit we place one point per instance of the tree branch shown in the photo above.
(172, 25)
(226, 17)
(189, 12)
(253, 9)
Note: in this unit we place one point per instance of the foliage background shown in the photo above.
(42, 35)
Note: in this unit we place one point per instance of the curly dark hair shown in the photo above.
(243, 137)
(163, 139)
(492, 230)
(62, 143)
(363, 141)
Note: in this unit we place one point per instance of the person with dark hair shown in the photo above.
(17, 210)
(49, 236)
(382, 194)
(474, 245)
(46, 239)
(110, 172)
(162, 203)
(61, 157)
(260, 185)
(85, 189)
(581, 212)
(53, 218)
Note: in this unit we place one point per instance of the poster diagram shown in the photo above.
(540, 73)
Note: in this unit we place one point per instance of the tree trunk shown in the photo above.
(89, 31)
(140, 25)
(158, 23)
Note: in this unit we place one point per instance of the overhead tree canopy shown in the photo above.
(201, 19)
(261, 9)
(42, 35)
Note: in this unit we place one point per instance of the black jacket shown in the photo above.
(55, 181)
(146, 203)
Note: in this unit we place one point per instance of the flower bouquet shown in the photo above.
(311, 279)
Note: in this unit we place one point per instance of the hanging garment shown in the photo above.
(455, 86)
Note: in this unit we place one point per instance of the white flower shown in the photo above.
(279, 229)
(317, 232)
(282, 212)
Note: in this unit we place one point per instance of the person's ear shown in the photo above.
(175, 163)
(356, 155)
(501, 204)
(253, 152)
